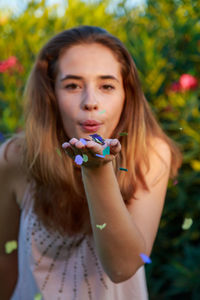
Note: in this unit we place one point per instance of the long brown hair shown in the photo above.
(59, 196)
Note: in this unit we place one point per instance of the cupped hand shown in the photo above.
(76, 147)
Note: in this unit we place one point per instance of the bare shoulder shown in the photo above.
(11, 164)
(159, 161)
(11, 154)
(162, 149)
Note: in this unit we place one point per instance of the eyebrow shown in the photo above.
(81, 78)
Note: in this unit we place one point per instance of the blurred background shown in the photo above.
(163, 38)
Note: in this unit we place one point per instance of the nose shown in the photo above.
(89, 101)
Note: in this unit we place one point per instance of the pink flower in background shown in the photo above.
(188, 82)
(10, 63)
(175, 87)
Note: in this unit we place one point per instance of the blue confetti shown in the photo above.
(97, 138)
(99, 155)
(123, 169)
(2, 138)
(78, 160)
(83, 141)
(145, 258)
(106, 151)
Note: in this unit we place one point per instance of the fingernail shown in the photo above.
(65, 145)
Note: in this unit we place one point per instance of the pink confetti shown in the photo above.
(175, 182)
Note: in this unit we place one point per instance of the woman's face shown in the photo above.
(85, 97)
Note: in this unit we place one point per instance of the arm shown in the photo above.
(120, 242)
(130, 230)
(9, 223)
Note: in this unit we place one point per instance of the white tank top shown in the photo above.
(65, 268)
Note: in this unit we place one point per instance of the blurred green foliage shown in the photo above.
(163, 38)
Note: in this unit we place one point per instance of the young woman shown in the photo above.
(84, 225)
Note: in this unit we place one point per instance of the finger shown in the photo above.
(69, 151)
(94, 147)
(115, 146)
(65, 145)
(73, 141)
(79, 145)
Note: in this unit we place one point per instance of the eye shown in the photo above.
(108, 87)
(71, 86)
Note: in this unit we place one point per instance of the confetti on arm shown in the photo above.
(145, 258)
(123, 133)
(101, 226)
(10, 246)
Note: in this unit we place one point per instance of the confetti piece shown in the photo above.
(83, 141)
(38, 296)
(85, 158)
(99, 155)
(10, 246)
(78, 160)
(175, 182)
(123, 169)
(145, 258)
(106, 151)
(101, 226)
(123, 133)
(181, 128)
(2, 138)
(59, 153)
(97, 138)
(187, 223)
(101, 112)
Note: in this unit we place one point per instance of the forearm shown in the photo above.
(119, 243)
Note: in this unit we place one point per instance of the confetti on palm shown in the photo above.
(98, 139)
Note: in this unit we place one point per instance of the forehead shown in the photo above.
(93, 58)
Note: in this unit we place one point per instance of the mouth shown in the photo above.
(90, 128)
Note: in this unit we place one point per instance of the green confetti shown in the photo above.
(123, 169)
(38, 296)
(123, 133)
(101, 226)
(85, 158)
(103, 111)
(106, 151)
(187, 223)
(10, 246)
(59, 153)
